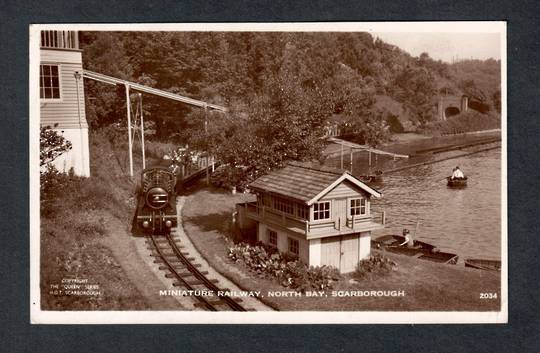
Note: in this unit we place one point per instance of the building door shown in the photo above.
(349, 253)
(330, 251)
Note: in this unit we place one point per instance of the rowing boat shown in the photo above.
(483, 264)
(396, 244)
(372, 178)
(456, 182)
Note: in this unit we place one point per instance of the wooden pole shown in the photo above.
(207, 152)
(142, 132)
(351, 159)
(83, 159)
(341, 156)
(128, 106)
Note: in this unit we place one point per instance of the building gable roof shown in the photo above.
(306, 184)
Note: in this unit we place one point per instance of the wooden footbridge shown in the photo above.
(204, 167)
(139, 119)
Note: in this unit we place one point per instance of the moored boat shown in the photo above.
(397, 244)
(372, 178)
(483, 264)
(457, 182)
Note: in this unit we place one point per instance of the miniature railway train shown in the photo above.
(156, 215)
(156, 208)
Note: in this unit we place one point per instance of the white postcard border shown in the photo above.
(39, 316)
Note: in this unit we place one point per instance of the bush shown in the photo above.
(51, 145)
(470, 120)
(375, 265)
(288, 270)
(53, 186)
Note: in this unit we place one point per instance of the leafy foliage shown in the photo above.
(51, 145)
(470, 120)
(289, 271)
(376, 265)
(280, 89)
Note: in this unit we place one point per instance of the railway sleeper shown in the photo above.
(163, 241)
(173, 257)
(159, 260)
(193, 282)
(176, 261)
(213, 303)
(167, 254)
(183, 274)
(176, 267)
(236, 299)
(151, 247)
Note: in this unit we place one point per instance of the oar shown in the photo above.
(411, 242)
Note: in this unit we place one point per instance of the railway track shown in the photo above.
(187, 275)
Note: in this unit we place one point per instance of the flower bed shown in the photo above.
(288, 271)
(376, 265)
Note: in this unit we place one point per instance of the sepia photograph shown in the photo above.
(268, 173)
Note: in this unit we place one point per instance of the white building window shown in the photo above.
(49, 82)
(358, 207)
(272, 238)
(294, 246)
(321, 210)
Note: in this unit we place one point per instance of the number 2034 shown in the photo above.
(488, 295)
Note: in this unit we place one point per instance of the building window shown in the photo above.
(294, 246)
(358, 207)
(272, 238)
(283, 205)
(301, 211)
(266, 201)
(321, 210)
(49, 82)
(59, 39)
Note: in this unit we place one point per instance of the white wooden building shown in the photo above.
(62, 97)
(322, 216)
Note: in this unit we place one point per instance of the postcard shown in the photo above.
(268, 173)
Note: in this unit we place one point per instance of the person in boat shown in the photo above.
(408, 239)
(457, 173)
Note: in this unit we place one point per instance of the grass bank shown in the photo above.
(82, 221)
(207, 216)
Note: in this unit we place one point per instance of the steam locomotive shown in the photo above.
(156, 209)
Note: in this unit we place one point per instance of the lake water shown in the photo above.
(464, 221)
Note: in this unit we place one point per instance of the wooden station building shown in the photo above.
(322, 216)
(61, 93)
